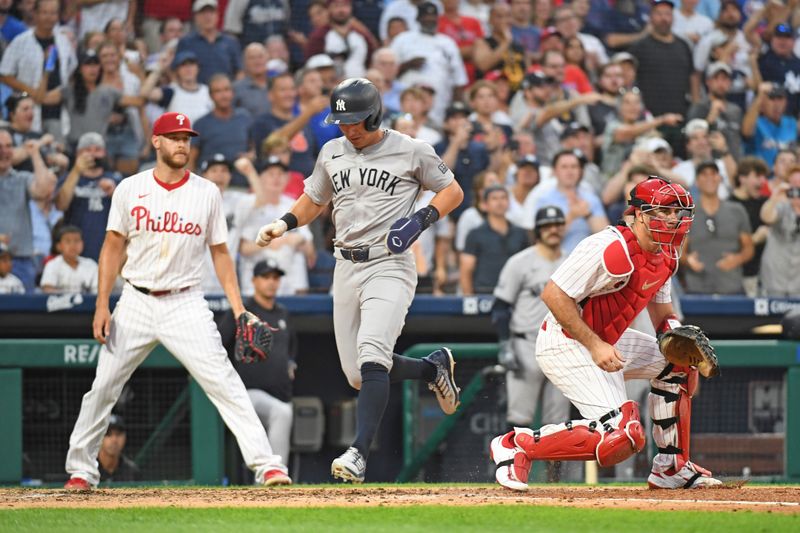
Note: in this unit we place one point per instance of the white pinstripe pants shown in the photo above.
(528, 387)
(595, 392)
(185, 326)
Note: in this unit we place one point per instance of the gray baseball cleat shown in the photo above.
(444, 384)
(350, 466)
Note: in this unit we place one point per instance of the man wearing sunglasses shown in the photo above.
(721, 240)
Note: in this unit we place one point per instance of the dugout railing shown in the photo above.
(205, 428)
(742, 360)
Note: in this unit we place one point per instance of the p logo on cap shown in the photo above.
(173, 123)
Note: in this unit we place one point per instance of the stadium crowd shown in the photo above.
(532, 103)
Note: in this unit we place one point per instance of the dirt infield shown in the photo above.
(732, 499)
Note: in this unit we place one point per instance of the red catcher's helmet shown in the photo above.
(670, 210)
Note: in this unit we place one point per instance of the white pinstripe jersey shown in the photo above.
(373, 187)
(583, 273)
(168, 228)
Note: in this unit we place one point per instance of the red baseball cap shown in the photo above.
(173, 123)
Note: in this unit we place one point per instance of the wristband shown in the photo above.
(290, 220)
(670, 321)
(427, 216)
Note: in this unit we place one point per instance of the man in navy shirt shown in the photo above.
(282, 121)
(465, 157)
(623, 23)
(215, 51)
(84, 194)
(780, 66)
(224, 130)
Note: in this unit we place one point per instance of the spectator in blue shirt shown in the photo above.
(10, 26)
(780, 66)
(466, 158)
(282, 121)
(215, 51)
(765, 126)
(522, 31)
(309, 89)
(224, 130)
(585, 213)
(84, 194)
(625, 22)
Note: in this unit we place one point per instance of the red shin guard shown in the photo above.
(586, 441)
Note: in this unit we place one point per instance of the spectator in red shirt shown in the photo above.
(155, 12)
(570, 76)
(463, 30)
(345, 39)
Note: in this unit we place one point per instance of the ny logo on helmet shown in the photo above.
(180, 119)
(340, 105)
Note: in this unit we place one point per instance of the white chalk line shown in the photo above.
(656, 500)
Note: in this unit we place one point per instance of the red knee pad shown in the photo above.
(628, 439)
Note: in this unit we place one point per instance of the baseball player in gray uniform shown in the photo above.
(517, 315)
(372, 176)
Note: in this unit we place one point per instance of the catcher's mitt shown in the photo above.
(253, 338)
(689, 346)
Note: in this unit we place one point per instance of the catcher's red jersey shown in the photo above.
(614, 280)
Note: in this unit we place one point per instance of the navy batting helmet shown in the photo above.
(354, 100)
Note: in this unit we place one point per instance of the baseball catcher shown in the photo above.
(253, 338)
(587, 349)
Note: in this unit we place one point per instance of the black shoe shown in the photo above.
(444, 384)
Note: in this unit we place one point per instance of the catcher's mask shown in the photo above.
(668, 210)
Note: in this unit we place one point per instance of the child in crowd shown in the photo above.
(68, 271)
(9, 283)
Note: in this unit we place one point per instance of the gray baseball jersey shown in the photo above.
(521, 283)
(370, 189)
(373, 187)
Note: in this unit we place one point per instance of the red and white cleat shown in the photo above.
(78, 484)
(513, 466)
(273, 478)
(691, 476)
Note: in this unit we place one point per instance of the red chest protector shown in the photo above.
(610, 314)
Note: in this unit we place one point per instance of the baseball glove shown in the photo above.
(689, 346)
(253, 338)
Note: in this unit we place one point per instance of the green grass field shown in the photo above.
(443, 519)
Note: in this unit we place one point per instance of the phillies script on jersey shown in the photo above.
(169, 222)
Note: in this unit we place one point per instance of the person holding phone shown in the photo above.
(84, 193)
(781, 212)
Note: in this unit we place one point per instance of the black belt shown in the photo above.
(356, 255)
(520, 335)
(160, 293)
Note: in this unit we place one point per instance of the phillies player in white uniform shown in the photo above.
(586, 348)
(164, 219)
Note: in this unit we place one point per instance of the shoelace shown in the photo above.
(442, 386)
(357, 459)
